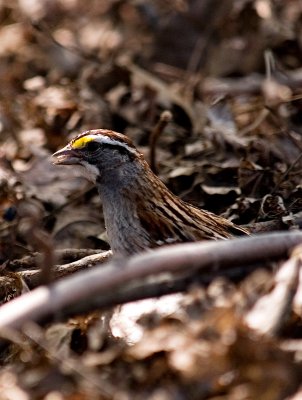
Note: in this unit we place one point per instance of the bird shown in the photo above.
(140, 212)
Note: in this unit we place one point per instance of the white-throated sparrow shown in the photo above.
(140, 211)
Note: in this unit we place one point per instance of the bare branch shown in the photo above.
(203, 256)
(32, 276)
(164, 119)
(62, 255)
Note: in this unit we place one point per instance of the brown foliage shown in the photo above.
(233, 146)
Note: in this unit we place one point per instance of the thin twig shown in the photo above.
(30, 220)
(285, 175)
(29, 262)
(32, 277)
(164, 119)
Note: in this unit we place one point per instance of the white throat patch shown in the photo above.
(86, 170)
(91, 172)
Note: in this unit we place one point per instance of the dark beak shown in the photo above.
(66, 156)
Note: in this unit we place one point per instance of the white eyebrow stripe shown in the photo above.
(108, 140)
(103, 139)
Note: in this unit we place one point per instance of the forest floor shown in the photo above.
(228, 75)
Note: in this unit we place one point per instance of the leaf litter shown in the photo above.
(233, 146)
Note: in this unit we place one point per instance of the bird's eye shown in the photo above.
(92, 146)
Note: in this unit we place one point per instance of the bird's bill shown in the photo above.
(65, 156)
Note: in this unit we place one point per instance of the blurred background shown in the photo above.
(229, 72)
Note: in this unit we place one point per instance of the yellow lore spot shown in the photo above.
(82, 141)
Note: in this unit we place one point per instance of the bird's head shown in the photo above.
(98, 151)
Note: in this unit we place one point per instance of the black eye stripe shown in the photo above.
(92, 146)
